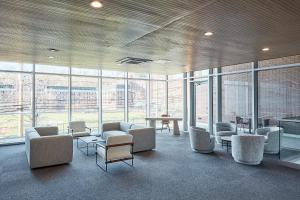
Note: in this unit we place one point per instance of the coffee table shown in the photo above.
(226, 140)
(88, 141)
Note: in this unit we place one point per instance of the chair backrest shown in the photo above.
(248, 147)
(238, 120)
(77, 126)
(221, 126)
(267, 130)
(199, 137)
(165, 121)
(46, 131)
(119, 152)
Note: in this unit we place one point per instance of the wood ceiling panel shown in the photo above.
(161, 30)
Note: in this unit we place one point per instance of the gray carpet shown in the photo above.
(172, 171)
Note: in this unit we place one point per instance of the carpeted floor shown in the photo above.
(172, 171)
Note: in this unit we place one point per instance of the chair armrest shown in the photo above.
(101, 144)
(51, 149)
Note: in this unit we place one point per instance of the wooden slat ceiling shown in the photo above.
(161, 30)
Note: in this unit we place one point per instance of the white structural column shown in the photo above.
(219, 95)
(126, 98)
(33, 97)
(100, 115)
(192, 104)
(254, 96)
(185, 106)
(70, 95)
(210, 102)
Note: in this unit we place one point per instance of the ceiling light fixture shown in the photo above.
(50, 57)
(96, 4)
(266, 49)
(208, 34)
(53, 50)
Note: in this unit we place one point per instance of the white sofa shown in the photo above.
(271, 135)
(248, 149)
(44, 147)
(143, 138)
(201, 141)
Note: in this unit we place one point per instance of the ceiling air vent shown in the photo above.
(131, 60)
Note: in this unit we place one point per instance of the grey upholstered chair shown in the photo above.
(224, 129)
(45, 147)
(271, 135)
(117, 148)
(78, 129)
(248, 149)
(201, 141)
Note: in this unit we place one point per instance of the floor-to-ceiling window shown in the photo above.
(52, 97)
(158, 97)
(237, 99)
(175, 96)
(15, 103)
(201, 101)
(137, 98)
(85, 99)
(113, 96)
(279, 104)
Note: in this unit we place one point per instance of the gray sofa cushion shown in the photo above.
(106, 134)
(125, 126)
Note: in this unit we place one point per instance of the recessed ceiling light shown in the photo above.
(53, 50)
(50, 57)
(266, 49)
(96, 4)
(208, 34)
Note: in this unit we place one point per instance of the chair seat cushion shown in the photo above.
(81, 134)
(112, 133)
(226, 133)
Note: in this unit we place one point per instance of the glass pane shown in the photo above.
(157, 98)
(279, 95)
(107, 73)
(84, 71)
(202, 103)
(52, 99)
(113, 99)
(279, 61)
(15, 104)
(239, 67)
(137, 102)
(138, 75)
(236, 99)
(16, 66)
(52, 69)
(85, 101)
(175, 99)
(201, 73)
(279, 98)
(175, 76)
(158, 77)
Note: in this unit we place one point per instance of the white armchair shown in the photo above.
(271, 135)
(117, 148)
(248, 149)
(78, 129)
(201, 141)
(225, 129)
